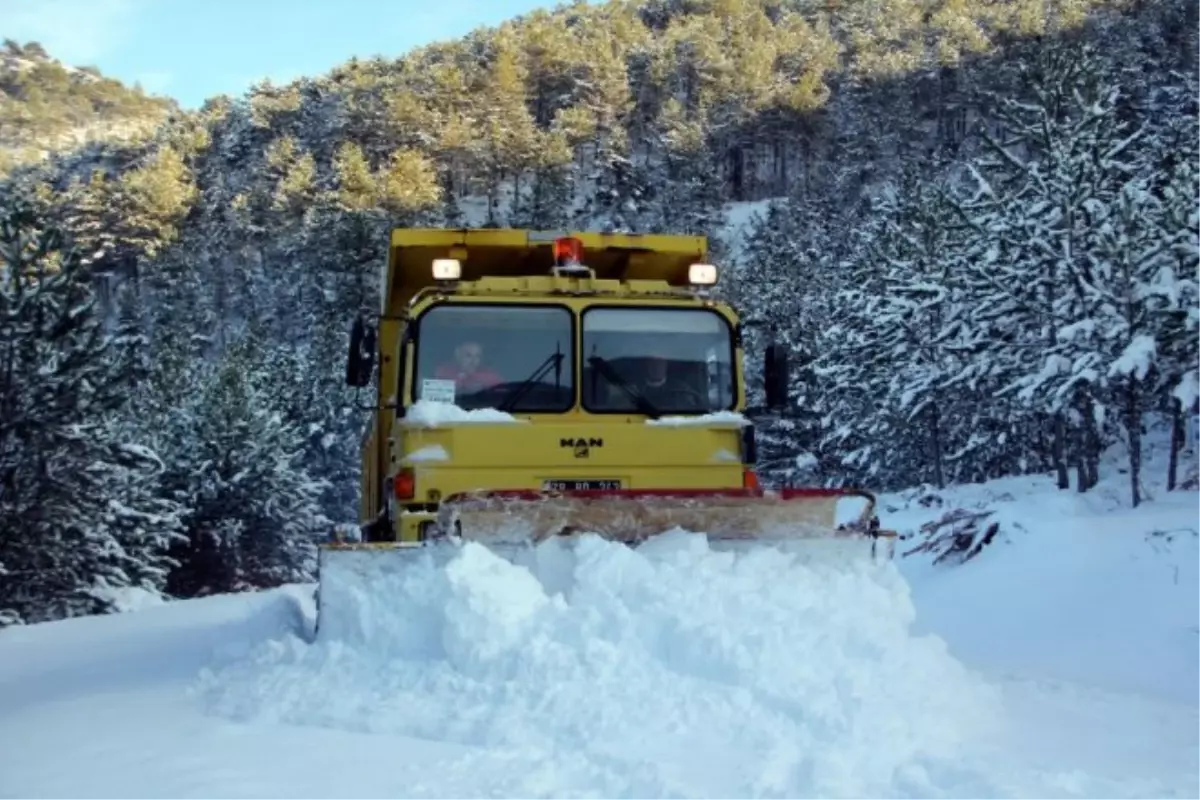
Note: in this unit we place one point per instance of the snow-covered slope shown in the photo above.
(1060, 662)
(1082, 588)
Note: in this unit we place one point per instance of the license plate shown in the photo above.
(582, 485)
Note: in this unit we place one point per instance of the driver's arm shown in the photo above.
(487, 378)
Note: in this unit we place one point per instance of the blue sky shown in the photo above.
(194, 49)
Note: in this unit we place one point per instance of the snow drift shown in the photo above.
(701, 672)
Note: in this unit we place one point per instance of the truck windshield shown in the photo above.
(503, 356)
(678, 360)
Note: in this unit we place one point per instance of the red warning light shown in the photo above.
(568, 251)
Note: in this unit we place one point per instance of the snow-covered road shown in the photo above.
(1061, 663)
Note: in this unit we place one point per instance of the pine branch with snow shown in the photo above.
(80, 507)
(255, 514)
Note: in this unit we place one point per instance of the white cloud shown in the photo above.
(76, 32)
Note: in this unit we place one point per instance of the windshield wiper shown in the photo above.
(612, 376)
(554, 360)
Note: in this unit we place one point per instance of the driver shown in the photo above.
(467, 371)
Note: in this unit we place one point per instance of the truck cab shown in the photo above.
(532, 365)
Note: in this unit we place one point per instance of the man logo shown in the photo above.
(582, 446)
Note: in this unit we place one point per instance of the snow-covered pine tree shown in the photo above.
(686, 191)
(81, 513)
(781, 285)
(922, 306)
(140, 513)
(763, 273)
(255, 514)
(851, 361)
(1130, 257)
(335, 423)
(1061, 156)
(1174, 292)
(614, 189)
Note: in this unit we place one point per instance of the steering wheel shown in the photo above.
(496, 396)
(490, 396)
(684, 389)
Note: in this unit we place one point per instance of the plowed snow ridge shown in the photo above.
(771, 675)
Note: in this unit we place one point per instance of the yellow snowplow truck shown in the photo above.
(535, 384)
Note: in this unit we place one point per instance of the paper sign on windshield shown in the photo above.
(437, 390)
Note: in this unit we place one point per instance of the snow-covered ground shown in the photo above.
(1060, 662)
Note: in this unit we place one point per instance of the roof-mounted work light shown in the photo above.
(447, 269)
(702, 274)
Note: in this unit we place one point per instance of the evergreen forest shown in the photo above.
(973, 224)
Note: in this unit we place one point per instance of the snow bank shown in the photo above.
(154, 644)
(715, 418)
(1114, 591)
(124, 599)
(112, 692)
(431, 414)
(1078, 586)
(670, 670)
(434, 452)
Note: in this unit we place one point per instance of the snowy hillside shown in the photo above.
(1062, 661)
(47, 107)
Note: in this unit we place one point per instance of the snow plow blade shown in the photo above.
(817, 524)
(633, 516)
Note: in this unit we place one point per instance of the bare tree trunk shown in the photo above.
(1087, 444)
(1058, 443)
(935, 432)
(1177, 434)
(1133, 425)
(1092, 455)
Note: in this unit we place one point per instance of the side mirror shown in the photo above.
(776, 376)
(360, 362)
